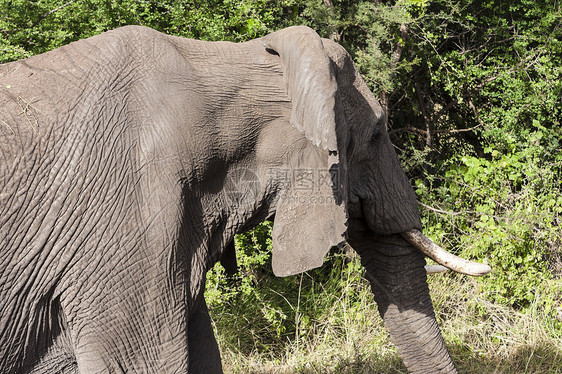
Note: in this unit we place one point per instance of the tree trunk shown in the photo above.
(398, 279)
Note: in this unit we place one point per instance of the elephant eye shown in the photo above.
(271, 51)
(376, 133)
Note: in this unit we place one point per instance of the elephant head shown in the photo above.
(373, 205)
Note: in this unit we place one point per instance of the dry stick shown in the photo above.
(415, 130)
(8, 126)
(25, 110)
(441, 211)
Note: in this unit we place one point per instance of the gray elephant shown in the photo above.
(131, 159)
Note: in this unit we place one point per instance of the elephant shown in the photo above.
(131, 159)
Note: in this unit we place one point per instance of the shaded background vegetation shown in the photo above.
(472, 91)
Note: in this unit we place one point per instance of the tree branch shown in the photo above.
(426, 119)
(50, 12)
(413, 130)
(396, 56)
(421, 132)
(440, 211)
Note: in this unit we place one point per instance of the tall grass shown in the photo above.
(326, 321)
(486, 337)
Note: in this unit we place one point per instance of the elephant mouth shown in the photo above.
(425, 245)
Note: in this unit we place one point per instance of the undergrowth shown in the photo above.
(326, 321)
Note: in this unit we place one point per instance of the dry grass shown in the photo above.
(482, 338)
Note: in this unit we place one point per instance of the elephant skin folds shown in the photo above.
(130, 160)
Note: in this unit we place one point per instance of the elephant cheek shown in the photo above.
(389, 204)
(386, 213)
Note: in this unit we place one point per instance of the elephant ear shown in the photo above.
(311, 214)
(310, 83)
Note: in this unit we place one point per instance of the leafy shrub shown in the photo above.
(277, 310)
(506, 210)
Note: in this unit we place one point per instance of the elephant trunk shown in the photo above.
(396, 272)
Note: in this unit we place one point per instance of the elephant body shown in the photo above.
(131, 159)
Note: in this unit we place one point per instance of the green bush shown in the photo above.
(277, 310)
(506, 211)
(484, 141)
(32, 27)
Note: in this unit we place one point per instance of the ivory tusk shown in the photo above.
(434, 269)
(441, 256)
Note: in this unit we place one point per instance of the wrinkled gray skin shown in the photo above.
(116, 156)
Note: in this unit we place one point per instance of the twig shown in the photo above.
(414, 130)
(441, 211)
(421, 132)
(50, 12)
(25, 111)
(8, 126)
(455, 131)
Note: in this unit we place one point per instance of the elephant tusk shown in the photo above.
(441, 256)
(434, 269)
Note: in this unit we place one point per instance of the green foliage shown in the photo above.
(281, 309)
(506, 210)
(483, 138)
(32, 27)
(472, 90)
(370, 31)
